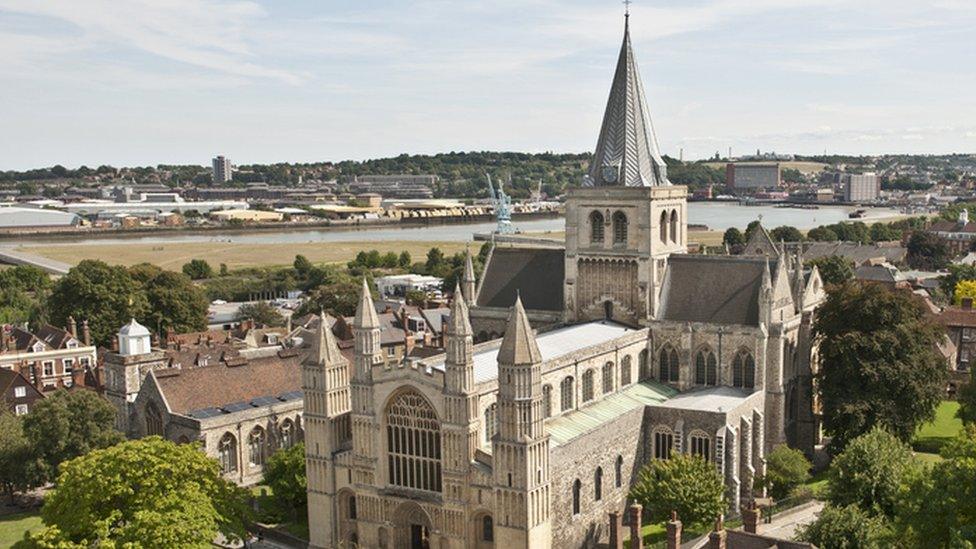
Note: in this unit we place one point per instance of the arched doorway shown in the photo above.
(482, 531)
(413, 526)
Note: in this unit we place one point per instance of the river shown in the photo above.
(718, 216)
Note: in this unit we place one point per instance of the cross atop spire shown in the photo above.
(627, 4)
(627, 152)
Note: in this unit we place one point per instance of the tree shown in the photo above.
(880, 362)
(262, 313)
(68, 424)
(967, 401)
(752, 227)
(434, 259)
(965, 288)
(198, 269)
(848, 527)
(285, 474)
(15, 473)
(404, 261)
(786, 468)
(683, 483)
(928, 251)
(822, 234)
(957, 273)
(176, 304)
(143, 493)
(938, 508)
(786, 233)
(302, 265)
(733, 238)
(338, 298)
(870, 472)
(106, 296)
(834, 269)
(884, 232)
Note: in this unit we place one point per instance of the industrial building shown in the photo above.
(24, 218)
(864, 187)
(752, 175)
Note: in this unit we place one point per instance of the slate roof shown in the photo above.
(858, 253)
(713, 288)
(535, 273)
(218, 385)
(953, 227)
(958, 316)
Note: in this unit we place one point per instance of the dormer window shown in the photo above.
(272, 339)
(71, 344)
(38, 347)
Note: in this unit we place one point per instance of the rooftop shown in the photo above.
(565, 428)
(709, 399)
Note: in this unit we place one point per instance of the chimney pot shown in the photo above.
(967, 303)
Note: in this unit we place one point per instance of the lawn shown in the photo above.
(931, 436)
(12, 527)
(271, 515)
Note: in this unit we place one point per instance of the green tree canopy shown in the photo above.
(733, 238)
(870, 472)
(302, 265)
(965, 288)
(198, 269)
(143, 493)
(786, 233)
(928, 251)
(68, 424)
(967, 400)
(175, 304)
(15, 473)
(880, 362)
(786, 468)
(337, 298)
(686, 484)
(822, 234)
(404, 260)
(262, 313)
(834, 269)
(957, 273)
(106, 296)
(847, 527)
(285, 474)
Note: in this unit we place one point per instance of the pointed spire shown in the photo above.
(365, 311)
(519, 346)
(468, 279)
(459, 323)
(326, 347)
(767, 281)
(627, 152)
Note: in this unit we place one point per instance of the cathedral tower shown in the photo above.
(626, 219)
(325, 382)
(127, 367)
(520, 449)
(367, 353)
(460, 399)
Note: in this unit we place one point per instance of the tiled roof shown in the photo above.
(534, 273)
(953, 227)
(957, 316)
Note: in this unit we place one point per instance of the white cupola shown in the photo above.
(134, 339)
(964, 217)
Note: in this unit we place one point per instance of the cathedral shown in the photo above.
(566, 369)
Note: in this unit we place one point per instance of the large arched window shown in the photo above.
(547, 400)
(154, 420)
(668, 365)
(413, 443)
(577, 488)
(706, 368)
(566, 394)
(596, 227)
(608, 377)
(664, 226)
(663, 443)
(227, 453)
(287, 433)
(674, 225)
(588, 386)
(256, 444)
(643, 366)
(598, 484)
(491, 422)
(743, 370)
(625, 373)
(619, 227)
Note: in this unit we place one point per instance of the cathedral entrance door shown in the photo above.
(419, 537)
(413, 526)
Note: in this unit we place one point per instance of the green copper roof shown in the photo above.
(565, 428)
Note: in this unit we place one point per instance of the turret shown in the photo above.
(468, 280)
(461, 401)
(367, 354)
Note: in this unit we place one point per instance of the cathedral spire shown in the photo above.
(326, 348)
(627, 152)
(518, 345)
(365, 311)
(459, 323)
(467, 290)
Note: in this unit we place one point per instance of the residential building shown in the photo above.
(51, 357)
(17, 394)
(960, 323)
(960, 235)
(399, 285)
(222, 170)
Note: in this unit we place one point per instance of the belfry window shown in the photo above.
(596, 227)
(413, 443)
(674, 225)
(619, 227)
(664, 227)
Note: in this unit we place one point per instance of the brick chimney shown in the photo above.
(967, 303)
(85, 333)
(716, 540)
(674, 531)
(616, 531)
(72, 327)
(636, 541)
(750, 518)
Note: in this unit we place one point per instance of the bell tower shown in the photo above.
(626, 218)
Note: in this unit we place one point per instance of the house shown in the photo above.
(50, 357)
(17, 394)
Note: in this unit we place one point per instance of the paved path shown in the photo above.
(8, 255)
(785, 524)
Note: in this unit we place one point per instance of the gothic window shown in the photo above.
(619, 470)
(674, 225)
(608, 377)
(413, 439)
(491, 422)
(566, 394)
(625, 372)
(663, 443)
(256, 442)
(701, 445)
(598, 484)
(588, 386)
(227, 453)
(154, 420)
(487, 530)
(643, 366)
(706, 368)
(596, 227)
(664, 227)
(668, 365)
(547, 400)
(619, 227)
(287, 433)
(577, 487)
(744, 370)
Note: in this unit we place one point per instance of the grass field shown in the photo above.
(12, 527)
(174, 255)
(931, 436)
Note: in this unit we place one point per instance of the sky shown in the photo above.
(147, 82)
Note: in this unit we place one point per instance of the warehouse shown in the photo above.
(26, 218)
